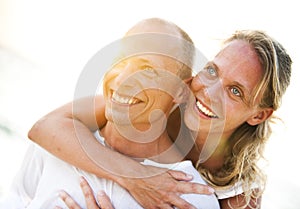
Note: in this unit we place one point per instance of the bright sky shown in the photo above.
(51, 41)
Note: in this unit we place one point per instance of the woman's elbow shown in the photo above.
(35, 130)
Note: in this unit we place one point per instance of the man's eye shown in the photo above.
(150, 70)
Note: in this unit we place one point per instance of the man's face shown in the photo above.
(138, 86)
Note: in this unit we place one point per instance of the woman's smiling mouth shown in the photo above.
(204, 110)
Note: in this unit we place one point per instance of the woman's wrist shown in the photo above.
(136, 171)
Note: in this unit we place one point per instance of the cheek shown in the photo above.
(108, 110)
(236, 114)
(195, 83)
(107, 82)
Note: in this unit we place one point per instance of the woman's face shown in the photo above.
(223, 91)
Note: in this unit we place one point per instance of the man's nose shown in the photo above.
(125, 73)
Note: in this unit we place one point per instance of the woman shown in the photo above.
(236, 95)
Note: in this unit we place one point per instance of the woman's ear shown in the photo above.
(260, 116)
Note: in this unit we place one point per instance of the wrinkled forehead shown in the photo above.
(153, 43)
(154, 27)
(153, 61)
(239, 55)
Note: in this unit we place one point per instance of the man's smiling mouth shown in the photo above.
(126, 100)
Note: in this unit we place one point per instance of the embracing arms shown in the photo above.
(62, 133)
(105, 203)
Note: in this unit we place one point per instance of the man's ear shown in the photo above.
(260, 116)
(188, 80)
(183, 91)
(182, 94)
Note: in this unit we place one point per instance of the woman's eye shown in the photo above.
(236, 91)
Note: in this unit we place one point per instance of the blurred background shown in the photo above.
(44, 45)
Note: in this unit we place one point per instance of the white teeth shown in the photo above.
(205, 110)
(123, 100)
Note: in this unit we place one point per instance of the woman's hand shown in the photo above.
(164, 190)
(157, 191)
(91, 203)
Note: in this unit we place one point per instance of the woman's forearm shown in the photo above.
(61, 138)
(64, 134)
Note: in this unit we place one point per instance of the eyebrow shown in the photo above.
(235, 83)
(139, 59)
(143, 60)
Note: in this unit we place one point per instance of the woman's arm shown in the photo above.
(62, 133)
(59, 130)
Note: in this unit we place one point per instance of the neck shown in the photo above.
(160, 149)
(211, 150)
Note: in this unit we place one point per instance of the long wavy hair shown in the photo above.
(248, 142)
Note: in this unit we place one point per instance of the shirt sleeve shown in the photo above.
(25, 182)
(231, 191)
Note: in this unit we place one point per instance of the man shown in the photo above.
(138, 100)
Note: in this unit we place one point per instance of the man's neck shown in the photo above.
(160, 149)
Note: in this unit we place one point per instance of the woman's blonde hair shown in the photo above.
(241, 164)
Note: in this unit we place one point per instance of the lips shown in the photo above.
(204, 110)
(125, 100)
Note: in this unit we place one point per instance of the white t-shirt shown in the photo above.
(231, 191)
(42, 176)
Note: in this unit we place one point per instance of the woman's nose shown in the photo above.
(214, 89)
(211, 88)
(201, 82)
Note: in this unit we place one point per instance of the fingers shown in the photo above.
(68, 200)
(188, 187)
(196, 188)
(89, 198)
(104, 200)
(173, 200)
(178, 202)
(88, 194)
(165, 206)
(180, 176)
